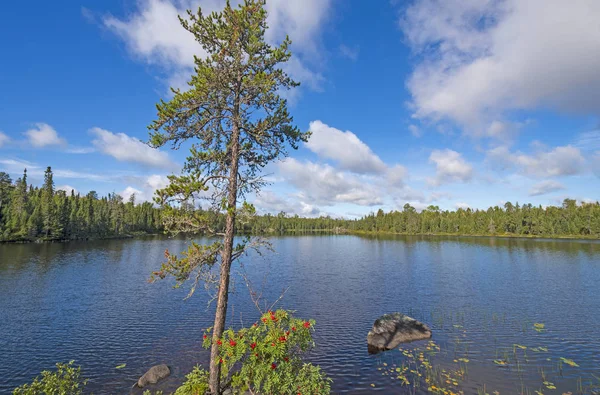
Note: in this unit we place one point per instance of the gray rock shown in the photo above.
(390, 330)
(154, 374)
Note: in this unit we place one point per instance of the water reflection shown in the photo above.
(90, 301)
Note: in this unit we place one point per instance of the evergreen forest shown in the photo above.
(29, 213)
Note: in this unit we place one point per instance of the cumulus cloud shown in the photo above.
(323, 184)
(462, 205)
(43, 135)
(146, 186)
(157, 181)
(544, 187)
(153, 33)
(68, 189)
(270, 202)
(450, 166)
(128, 149)
(560, 161)
(3, 139)
(345, 148)
(359, 177)
(131, 191)
(479, 60)
(396, 176)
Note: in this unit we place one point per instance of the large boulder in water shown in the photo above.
(390, 330)
(154, 374)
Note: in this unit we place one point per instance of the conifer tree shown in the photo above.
(237, 122)
(48, 203)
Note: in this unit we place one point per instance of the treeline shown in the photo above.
(29, 213)
(570, 219)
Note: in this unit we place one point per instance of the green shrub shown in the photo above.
(65, 381)
(196, 383)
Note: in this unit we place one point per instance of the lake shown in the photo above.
(91, 302)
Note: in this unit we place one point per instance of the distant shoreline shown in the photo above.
(326, 231)
(42, 241)
(504, 235)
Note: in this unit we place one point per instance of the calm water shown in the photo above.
(91, 302)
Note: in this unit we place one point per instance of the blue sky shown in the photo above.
(451, 103)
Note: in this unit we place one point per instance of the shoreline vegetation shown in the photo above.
(327, 232)
(44, 214)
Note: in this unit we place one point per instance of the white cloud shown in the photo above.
(415, 131)
(450, 167)
(154, 34)
(129, 191)
(343, 147)
(156, 181)
(128, 149)
(505, 130)
(146, 186)
(324, 185)
(3, 139)
(80, 150)
(560, 161)
(462, 205)
(16, 166)
(302, 21)
(66, 173)
(348, 52)
(68, 189)
(544, 187)
(269, 202)
(482, 59)
(396, 176)
(43, 135)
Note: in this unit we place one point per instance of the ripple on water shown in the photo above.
(91, 302)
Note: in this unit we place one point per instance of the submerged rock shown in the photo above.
(154, 374)
(390, 330)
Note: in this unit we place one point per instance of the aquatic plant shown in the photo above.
(569, 362)
(539, 327)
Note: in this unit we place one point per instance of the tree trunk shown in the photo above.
(221, 313)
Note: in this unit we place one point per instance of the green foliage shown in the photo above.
(198, 258)
(237, 122)
(29, 213)
(232, 112)
(267, 358)
(65, 381)
(568, 220)
(196, 382)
